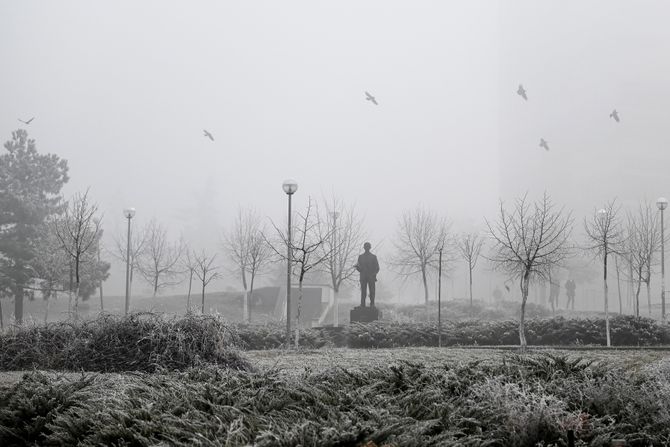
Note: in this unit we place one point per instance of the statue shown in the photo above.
(368, 267)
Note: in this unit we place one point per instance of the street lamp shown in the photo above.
(439, 302)
(336, 306)
(129, 213)
(662, 203)
(290, 187)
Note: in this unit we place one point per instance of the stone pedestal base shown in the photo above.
(364, 314)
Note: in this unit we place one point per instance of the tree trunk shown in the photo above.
(188, 298)
(18, 306)
(607, 315)
(471, 310)
(202, 307)
(76, 301)
(522, 321)
(245, 300)
(425, 286)
(2, 318)
(46, 312)
(76, 288)
(250, 298)
(155, 284)
(297, 315)
(336, 308)
(648, 284)
(637, 299)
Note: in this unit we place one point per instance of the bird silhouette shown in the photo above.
(27, 122)
(543, 143)
(615, 115)
(522, 92)
(208, 135)
(369, 97)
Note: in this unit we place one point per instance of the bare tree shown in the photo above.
(644, 234)
(51, 266)
(248, 251)
(419, 236)
(529, 240)
(345, 228)
(306, 252)
(206, 271)
(159, 262)
(78, 232)
(189, 265)
(606, 236)
(470, 246)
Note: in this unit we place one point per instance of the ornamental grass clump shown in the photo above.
(139, 342)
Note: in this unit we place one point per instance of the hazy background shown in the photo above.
(123, 90)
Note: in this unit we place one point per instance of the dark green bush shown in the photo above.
(140, 342)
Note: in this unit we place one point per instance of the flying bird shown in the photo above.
(522, 92)
(27, 122)
(615, 115)
(369, 97)
(543, 143)
(208, 135)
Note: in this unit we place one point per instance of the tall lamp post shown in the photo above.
(662, 203)
(439, 302)
(290, 187)
(129, 213)
(336, 306)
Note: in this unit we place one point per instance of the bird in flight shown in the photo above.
(522, 92)
(615, 115)
(208, 135)
(369, 97)
(27, 122)
(543, 143)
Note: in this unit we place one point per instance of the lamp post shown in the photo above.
(290, 187)
(439, 301)
(662, 203)
(129, 213)
(336, 306)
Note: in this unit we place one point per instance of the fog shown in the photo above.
(123, 91)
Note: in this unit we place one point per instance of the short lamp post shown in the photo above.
(290, 187)
(662, 203)
(129, 213)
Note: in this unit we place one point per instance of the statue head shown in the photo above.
(367, 246)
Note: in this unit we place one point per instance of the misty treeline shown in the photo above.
(51, 245)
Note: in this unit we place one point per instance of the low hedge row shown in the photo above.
(560, 331)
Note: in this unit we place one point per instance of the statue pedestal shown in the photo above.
(364, 314)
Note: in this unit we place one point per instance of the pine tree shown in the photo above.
(30, 186)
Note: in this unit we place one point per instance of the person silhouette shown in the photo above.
(368, 267)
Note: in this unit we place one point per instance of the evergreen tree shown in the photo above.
(30, 186)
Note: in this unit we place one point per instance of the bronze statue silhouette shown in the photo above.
(368, 266)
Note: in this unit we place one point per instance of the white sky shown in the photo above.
(123, 90)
